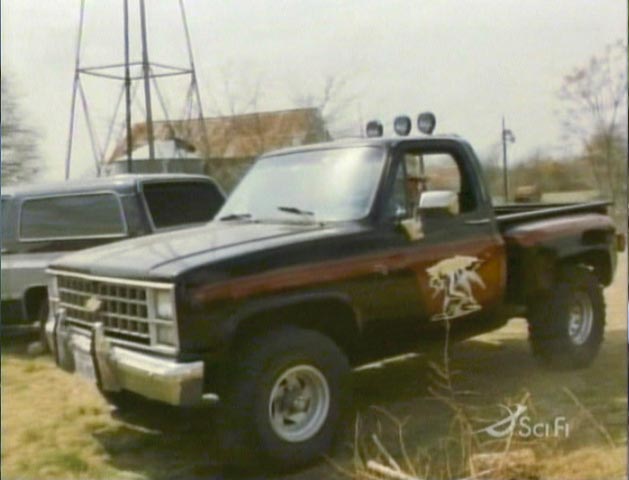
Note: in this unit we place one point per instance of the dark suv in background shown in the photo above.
(41, 222)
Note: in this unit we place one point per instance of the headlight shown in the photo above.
(165, 334)
(164, 304)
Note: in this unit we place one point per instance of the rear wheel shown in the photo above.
(283, 399)
(566, 326)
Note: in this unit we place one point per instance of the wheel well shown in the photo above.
(537, 271)
(335, 319)
(33, 299)
(599, 262)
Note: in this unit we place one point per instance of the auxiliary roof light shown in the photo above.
(374, 129)
(402, 125)
(426, 122)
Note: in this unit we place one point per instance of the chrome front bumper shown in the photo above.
(116, 368)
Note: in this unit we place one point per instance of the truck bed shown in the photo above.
(509, 215)
(538, 236)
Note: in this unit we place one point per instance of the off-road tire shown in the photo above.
(549, 320)
(246, 433)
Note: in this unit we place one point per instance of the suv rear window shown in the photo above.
(172, 204)
(71, 216)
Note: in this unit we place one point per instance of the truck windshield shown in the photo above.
(324, 185)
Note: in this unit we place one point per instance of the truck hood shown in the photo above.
(166, 255)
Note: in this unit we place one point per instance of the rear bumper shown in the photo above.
(116, 368)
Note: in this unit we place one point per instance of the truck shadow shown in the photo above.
(19, 344)
(162, 442)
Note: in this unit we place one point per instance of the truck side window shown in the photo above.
(182, 203)
(440, 171)
(71, 216)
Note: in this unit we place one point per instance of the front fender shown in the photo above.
(214, 330)
(24, 271)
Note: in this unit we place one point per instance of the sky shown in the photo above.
(469, 62)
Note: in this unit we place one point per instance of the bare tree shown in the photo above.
(239, 92)
(20, 156)
(606, 153)
(594, 99)
(235, 91)
(335, 100)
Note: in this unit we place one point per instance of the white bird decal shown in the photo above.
(454, 278)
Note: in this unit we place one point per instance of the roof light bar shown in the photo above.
(402, 125)
(374, 129)
(426, 122)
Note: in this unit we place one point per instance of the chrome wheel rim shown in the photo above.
(581, 319)
(299, 403)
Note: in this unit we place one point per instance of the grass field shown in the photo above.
(56, 426)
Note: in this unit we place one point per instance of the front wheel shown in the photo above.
(566, 327)
(283, 398)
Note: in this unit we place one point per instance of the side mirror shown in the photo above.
(439, 202)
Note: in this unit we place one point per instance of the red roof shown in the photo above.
(238, 136)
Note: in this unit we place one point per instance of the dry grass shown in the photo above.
(56, 426)
(47, 423)
(589, 452)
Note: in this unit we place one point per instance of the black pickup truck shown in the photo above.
(324, 258)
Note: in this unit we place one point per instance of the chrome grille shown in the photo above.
(122, 309)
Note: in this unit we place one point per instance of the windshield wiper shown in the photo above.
(296, 211)
(235, 216)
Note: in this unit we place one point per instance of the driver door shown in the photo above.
(448, 266)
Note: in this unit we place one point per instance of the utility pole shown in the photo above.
(75, 88)
(507, 136)
(147, 84)
(129, 76)
(127, 89)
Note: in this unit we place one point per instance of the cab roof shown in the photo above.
(124, 183)
(387, 142)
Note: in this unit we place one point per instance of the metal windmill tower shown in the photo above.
(129, 75)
